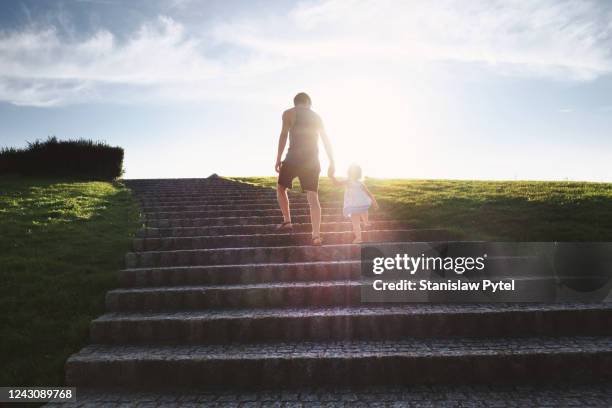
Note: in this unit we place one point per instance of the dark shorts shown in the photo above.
(309, 176)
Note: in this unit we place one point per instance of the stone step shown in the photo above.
(202, 192)
(249, 212)
(212, 201)
(522, 268)
(216, 200)
(197, 190)
(385, 322)
(267, 295)
(192, 186)
(562, 394)
(240, 274)
(260, 229)
(225, 196)
(257, 206)
(212, 180)
(195, 183)
(332, 291)
(256, 220)
(269, 240)
(228, 256)
(182, 184)
(409, 361)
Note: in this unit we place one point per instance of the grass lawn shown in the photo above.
(493, 210)
(61, 245)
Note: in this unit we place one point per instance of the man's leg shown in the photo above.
(315, 212)
(283, 202)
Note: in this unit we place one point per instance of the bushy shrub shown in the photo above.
(73, 158)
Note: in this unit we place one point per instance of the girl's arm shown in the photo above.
(337, 182)
(374, 202)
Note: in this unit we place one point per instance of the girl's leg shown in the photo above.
(356, 220)
(365, 219)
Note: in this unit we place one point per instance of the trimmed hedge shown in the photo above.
(80, 158)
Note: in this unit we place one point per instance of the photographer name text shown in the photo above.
(449, 285)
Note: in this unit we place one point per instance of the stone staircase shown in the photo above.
(213, 297)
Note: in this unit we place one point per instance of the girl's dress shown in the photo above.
(356, 201)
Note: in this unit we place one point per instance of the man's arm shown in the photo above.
(328, 149)
(282, 140)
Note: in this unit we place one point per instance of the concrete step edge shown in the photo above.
(420, 361)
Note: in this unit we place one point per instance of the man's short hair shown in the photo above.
(302, 99)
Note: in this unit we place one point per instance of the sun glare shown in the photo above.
(372, 127)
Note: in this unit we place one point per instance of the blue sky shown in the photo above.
(483, 89)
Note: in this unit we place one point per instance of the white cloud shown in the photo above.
(44, 93)
(562, 39)
(165, 60)
(39, 68)
(157, 52)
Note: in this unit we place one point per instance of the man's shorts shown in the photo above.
(308, 176)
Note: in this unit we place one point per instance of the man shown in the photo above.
(303, 127)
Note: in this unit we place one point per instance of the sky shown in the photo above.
(484, 89)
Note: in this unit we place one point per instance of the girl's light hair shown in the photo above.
(354, 172)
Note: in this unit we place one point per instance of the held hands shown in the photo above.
(331, 171)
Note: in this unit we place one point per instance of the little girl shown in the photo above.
(357, 200)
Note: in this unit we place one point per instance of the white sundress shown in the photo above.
(356, 201)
